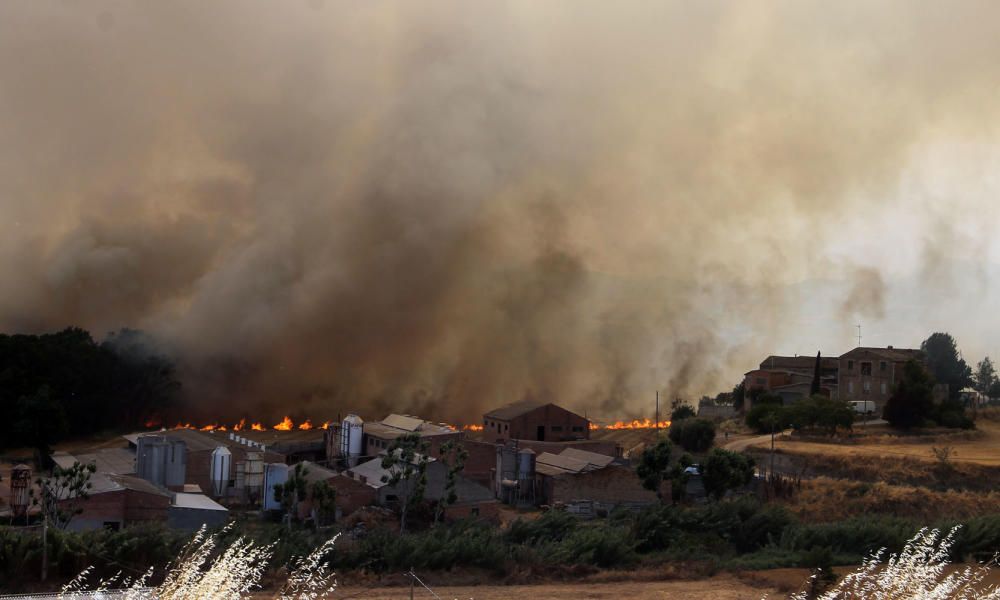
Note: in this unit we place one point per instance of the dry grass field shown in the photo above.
(723, 587)
(980, 447)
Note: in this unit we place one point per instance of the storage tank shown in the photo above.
(351, 434)
(176, 467)
(222, 460)
(254, 476)
(274, 474)
(526, 476)
(20, 486)
(161, 460)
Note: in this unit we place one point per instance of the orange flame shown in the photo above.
(257, 427)
(239, 426)
(638, 424)
(472, 427)
(209, 428)
(326, 425)
(306, 425)
(285, 425)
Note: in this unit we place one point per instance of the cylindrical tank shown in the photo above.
(526, 464)
(274, 474)
(351, 434)
(254, 477)
(151, 457)
(222, 460)
(20, 486)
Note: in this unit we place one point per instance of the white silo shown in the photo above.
(222, 460)
(254, 476)
(274, 474)
(351, 434)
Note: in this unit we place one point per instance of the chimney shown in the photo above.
(890, 347)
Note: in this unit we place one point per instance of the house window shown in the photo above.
(761, 381)
(112, 525)
(866, 368)
(577, 429)
(475, 512)
(883, 366)
(885, 387)
(557, 428)
(868, 386)
(850, 365)
(506, 427)
(850, 387)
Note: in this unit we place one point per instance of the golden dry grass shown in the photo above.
(981, 447)
(825, 499)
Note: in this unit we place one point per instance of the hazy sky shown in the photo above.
(440, 206)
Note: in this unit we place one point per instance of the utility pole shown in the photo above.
(657, 411)
(412, 579)
(859, 335)
(45, 546)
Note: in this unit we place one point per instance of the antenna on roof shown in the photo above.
(859, 335)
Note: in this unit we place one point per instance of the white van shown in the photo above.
(863, 407)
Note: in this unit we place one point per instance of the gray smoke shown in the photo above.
(440, 206)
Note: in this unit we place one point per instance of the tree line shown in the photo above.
(66, 384)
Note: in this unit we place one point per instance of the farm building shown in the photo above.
(379, 435)
(473, 499)
(116, 501)
(588, 484)
(531, 420)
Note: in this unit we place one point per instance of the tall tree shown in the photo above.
(911, 402)
(945, 362)
(814, 388)
(654, 465)
(405, 462)
(986, 375)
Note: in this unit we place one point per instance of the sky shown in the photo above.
(441, 207)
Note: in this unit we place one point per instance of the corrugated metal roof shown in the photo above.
(196, 501)
(561, 461)
(515, 410)
(596, 460)
(404, 422)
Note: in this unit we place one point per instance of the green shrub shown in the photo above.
(694, 435)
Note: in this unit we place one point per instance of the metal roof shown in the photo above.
(568, 464)
(196, 501)
(594, 459)
(389, 428)
(404, 422)
(515, 410)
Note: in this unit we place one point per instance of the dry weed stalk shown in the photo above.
(916, 573)
(234, 573)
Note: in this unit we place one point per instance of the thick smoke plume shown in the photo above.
(440, 206)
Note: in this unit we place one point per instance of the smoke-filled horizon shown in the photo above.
(444, 206)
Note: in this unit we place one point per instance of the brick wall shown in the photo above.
(610, 485)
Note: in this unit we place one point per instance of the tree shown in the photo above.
(653, 466)
(324, 503)
(911, 403)
(681, 412)
(694, 435)
(293, 491)
(725, 470)
(406, 462)
(814, 388)
(454, 455)
(820, 412)
(986, 376)
(994, 391)
(41, 421)
(768, 418)
(945, 362)
(61, 496)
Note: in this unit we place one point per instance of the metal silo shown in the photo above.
(351, 434)
(20, 485)
(222, 460)
(526, 476)
(274, 474)
(254, 476)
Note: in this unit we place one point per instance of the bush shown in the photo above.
(694, 435)
(681, 412)
(820, 412)
(765, 418)
(725, 470)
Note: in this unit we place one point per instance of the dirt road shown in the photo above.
(723, 587)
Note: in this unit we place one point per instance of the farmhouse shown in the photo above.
(531, 420)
